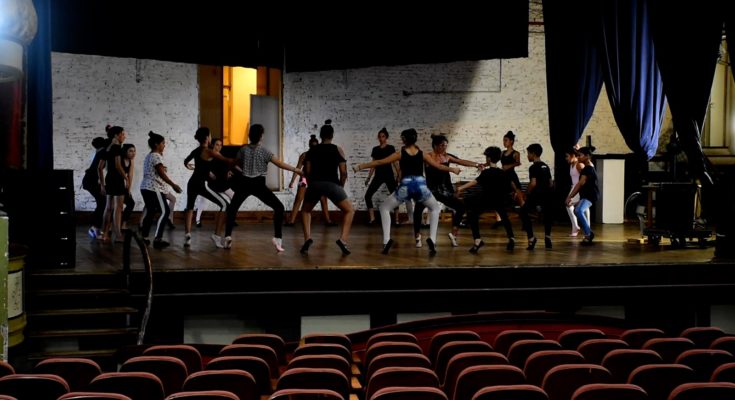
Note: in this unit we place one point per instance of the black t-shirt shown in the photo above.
(589, 190)
(542, 173)
(380, 153)
(495, 185)
(438, 180)
(411, 165)
(324, 159)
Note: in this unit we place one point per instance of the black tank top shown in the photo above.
(508, 159)
(324, 159)
(201, 166)
(411, 165)
(439, 180)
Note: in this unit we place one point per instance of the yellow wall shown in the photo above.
(243, 84)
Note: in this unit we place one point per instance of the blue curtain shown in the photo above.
(632, 78)
(39, 140)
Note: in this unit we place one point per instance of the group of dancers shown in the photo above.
(410, 175)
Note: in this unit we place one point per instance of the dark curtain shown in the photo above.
(11, 109)
(40, 148)
(687, 36)
(573, 76)
(632, 79)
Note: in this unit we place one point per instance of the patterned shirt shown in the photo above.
(151, 180)
(254, 160)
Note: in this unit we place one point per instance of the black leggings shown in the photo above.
(390, 183)
(244, 187)
(478, 205)
(129, 205)
(545, 201)
(445, 198)
(99, 209)
(154, 202)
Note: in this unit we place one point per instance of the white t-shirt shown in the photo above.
(151, 180)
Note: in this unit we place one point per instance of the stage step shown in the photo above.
(75, 333)
(103, 317)
(77, 298)
(48, 279)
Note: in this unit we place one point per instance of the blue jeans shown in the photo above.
(579, 210)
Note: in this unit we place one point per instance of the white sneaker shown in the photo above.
(418, 240)
(227, 243)
(217, 239)
(453, 239)
(187, 240)
(278, 242)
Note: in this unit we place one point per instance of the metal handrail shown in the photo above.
(129, 236)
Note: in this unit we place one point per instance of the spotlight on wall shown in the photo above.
(18, 26)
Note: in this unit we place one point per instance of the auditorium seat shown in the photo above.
(255, 366)
(275, 342)
(6, 368)
(520, 350)
(409, 393)
(306, 394)
(660, 379)
(506, 338)
(92, 396)
(170, 370)
(669, 348)
(400, 376)
(636, 338)
(540, 363)
(396, 360)
(240, 383)
(441, 338)
(563, 380)
(511, 392)
(704, 361)
(77, 372)
(328, 338)
(322, 349)
(451, 349)
(622, 362)
(136, 385)
(33, 386)
(462, 361)
(702, 336)
(726, 343)
(570, 339)
(594, 350)
(315, 378)
(188, 354)
(704, 391)
(204, 395)
(263, 352)
(325, 361)
(391, 337)
(390, 348)
(472, 379)
(610, 391)
(6, 397)
(724, 373)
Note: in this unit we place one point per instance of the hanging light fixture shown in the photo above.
(18, 26)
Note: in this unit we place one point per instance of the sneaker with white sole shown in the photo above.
(92, 232)
(278, 242)
(418, 241)
(227, 243)
(187, 240)
(453, 239)
(217, 239)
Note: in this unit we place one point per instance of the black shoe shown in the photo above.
(160, 244)
(330, 223)
(305, 248)
(170, 224)
(288, 224)
(587, 241)
(343, 246)
(387, 246)
(547, 242)
(511, 244)
(532, 243)
(199, 224)
(147, 242)
(475, 247)
(373, 222)
(432, 247)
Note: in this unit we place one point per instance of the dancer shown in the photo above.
(440, 184)
(153, 189)
(115, 183)
(496, 190)
(413, 186)
(321, 166)
(218, 180)
(588, 193)
(575, 167)
(510, 159)
(301, 190)
(91, 183)
(128, 164)
(380, 175)
(253, 160)
(198, 185)
(539, 193)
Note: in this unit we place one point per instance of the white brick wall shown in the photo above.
(475, 103)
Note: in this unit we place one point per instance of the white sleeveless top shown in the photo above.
(574, 173)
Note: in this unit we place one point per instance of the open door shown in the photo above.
(264, 111)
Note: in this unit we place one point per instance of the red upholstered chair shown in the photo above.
(77, 372)
(325, 361)
(540, 363)
(6, 397)
(704, 361)
(170, 370)
(506, 338)
(462, 361)
(93, 396)
(442, 338)
(726, 343)
(570, 339)
(390, 348)
(704, 391)
(204, 395)
(240, 383)
(594, 350)
(136, 385)
(263, 352)
(659, 380)
(724, 373)
(520, 350)
(610, 391)
(328, 338)
(396, 360)
(622, 362)
(306, 394)
(322, 349)
(562, 381)
(511, 392)
(669, 348)
(33, 386)
(400, 376)
(275, 342)
(188, 354)
(636, 338)
(391, 337)
(255, 366)
(6, 368)
(453, 348)
(702, 336)
(315, 378)
(409, 393)
(472, 379)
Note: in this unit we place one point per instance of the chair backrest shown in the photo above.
(724, 373)
(170, 370)
(306, 394)
(451, 349)
(704, 391)
(562, 381)
(275, 342)
(409, 393)
(511, 392)
(396, 360)
(391, 337)
(594, 350)
(704, 361)
(659, 380)
(622, 362)
(261, 351)
(322, 349)
(506, 338)
(570, 339)
(462, 361)
(204, 395)
(33, 386)
(328, 338)
(240, 383)
(136, 385)
(441, 338)
(472, 379)
(326, 361)
(702, 336)
(636, 338)
(186, 353)
(400, 376)
(669, 348)
(540, 363)
(255, 366)
(520, 350)
(77, 372)
(392, 348)
(93, 396)
(610, 391)
(6, 368)
(726, 343)
(315, 378)
(6, 397)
